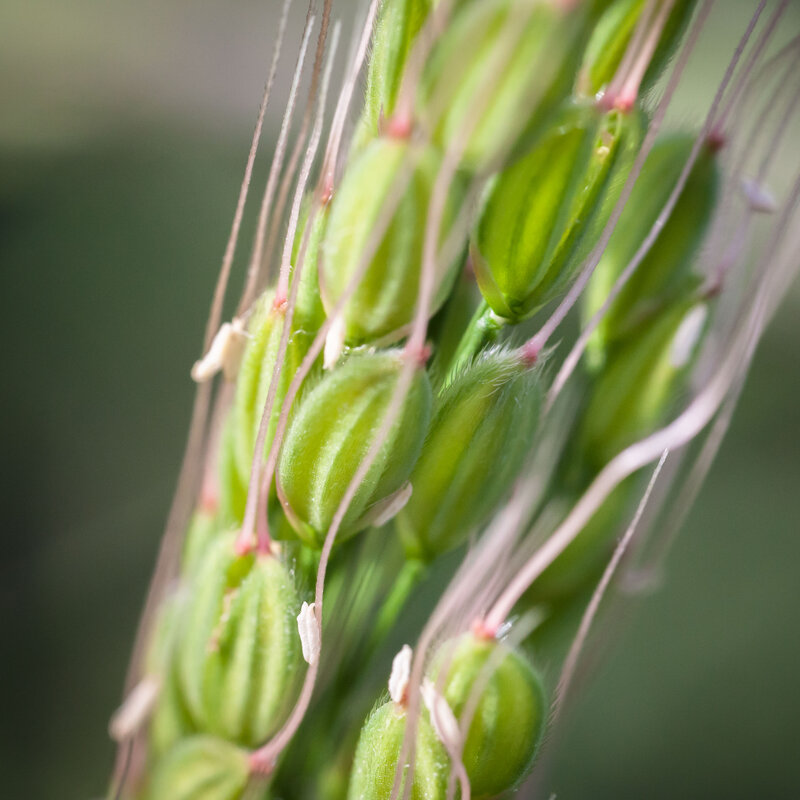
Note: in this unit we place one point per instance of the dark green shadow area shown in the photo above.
(108, 256)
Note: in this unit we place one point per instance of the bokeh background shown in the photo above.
(123, 135)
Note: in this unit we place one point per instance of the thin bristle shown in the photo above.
(265, 210)
(568, 671)
(253, 493)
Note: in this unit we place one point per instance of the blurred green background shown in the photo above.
(123, 136)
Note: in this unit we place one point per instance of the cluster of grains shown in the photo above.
(388, 394)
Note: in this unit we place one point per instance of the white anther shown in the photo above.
(758, 196)
(392, 505)
(687, 336)
(308, 627)
(225, 353)
(442, 717)
(135, 709)
(401, 672)
(334, 343)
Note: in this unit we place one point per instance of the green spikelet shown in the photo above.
(637, 386)
(263, 332)
(510, 54)
(308, 311)
(384, 301)
(543, 215)
(612, 35)
(331, 433)
(239, 650)
(201, 768)
(509, 716)
(254, 378)
(667, 269)
(378, 751)
(482, 428)
(398, 25)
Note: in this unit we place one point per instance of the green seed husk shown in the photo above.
(542, 216)
(255, 375)
(527, 50)
(308, 311)
(668, 267)
(639, 382)
(612, 35)
(378, 751)
(384, 302)
(398, 25)
(510, 714)
(239, 652)
(333, 430)
(483, 426)
(201, 768)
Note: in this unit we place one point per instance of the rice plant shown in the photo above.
(494, 323)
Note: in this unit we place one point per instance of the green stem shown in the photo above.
(483, 329)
